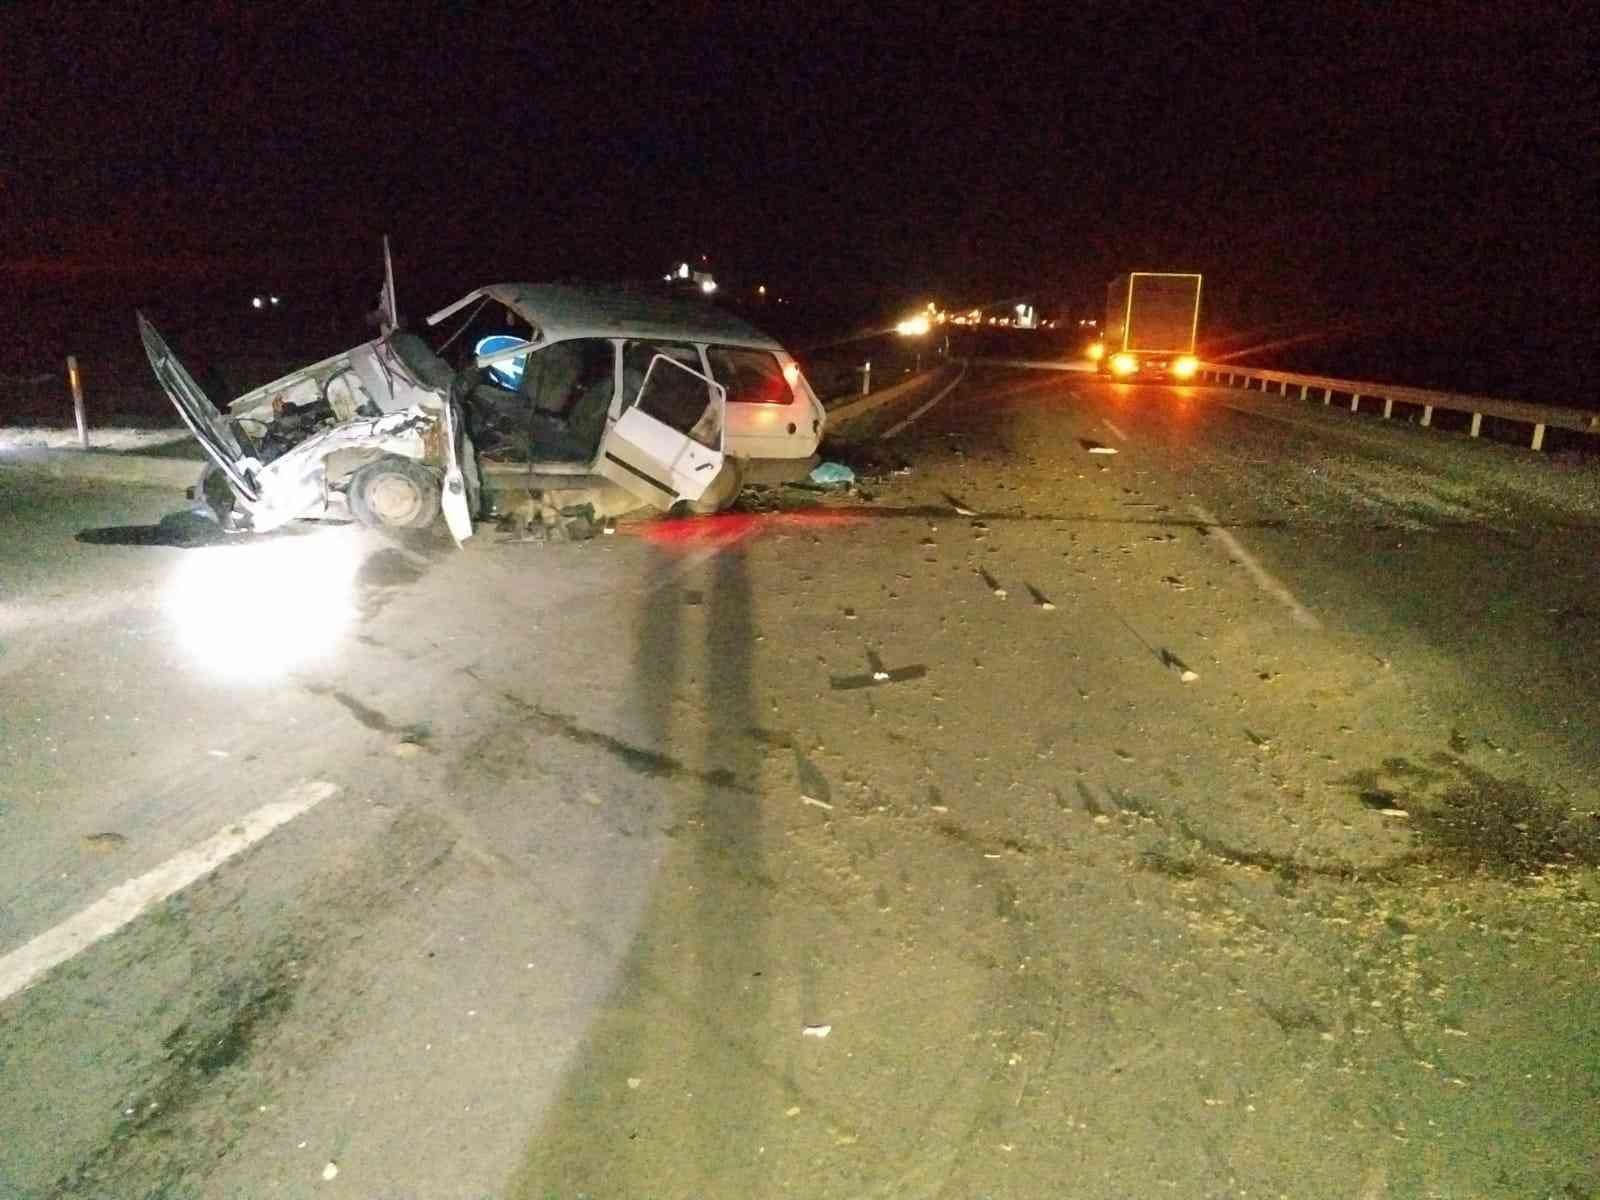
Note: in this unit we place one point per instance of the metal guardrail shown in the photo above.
(857, 405)
(1425, 399)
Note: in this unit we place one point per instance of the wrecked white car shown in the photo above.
(532, 398)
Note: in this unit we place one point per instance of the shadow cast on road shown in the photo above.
(662, 1099)
(183, 530)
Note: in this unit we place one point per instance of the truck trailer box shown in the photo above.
(1152, 318)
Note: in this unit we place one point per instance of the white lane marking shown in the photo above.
(1264, 578)
(24, 965)
(1121, 437)
(894, 429)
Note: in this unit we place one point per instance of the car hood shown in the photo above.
(218, 436)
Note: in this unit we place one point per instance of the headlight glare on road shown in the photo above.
(1185, 367)
(254, 611)
(1124, 364)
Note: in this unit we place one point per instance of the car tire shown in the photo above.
(394, 493)
(724, 489)
(217, 495)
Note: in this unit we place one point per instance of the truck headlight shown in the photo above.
(1185, 367)
(1124, 364)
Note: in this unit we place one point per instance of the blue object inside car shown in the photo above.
(507, 371)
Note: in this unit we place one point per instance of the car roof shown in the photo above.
(561, 311)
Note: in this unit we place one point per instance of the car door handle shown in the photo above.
(703, 467)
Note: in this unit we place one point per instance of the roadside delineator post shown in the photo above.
(866, 377)
(76, 381)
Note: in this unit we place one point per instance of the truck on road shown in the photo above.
(1151, 321)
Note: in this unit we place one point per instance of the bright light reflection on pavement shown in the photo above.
(250, 612)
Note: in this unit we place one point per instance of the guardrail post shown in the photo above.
(1327, 395)
(1388, 407)
(77, 401)
(1302, 391)
(1427, 415)
(1477, 424)
(1355, 401)
(1538, 436)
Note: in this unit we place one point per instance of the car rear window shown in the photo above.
(751, 376)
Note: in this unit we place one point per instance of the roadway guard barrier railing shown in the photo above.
(1428, 401)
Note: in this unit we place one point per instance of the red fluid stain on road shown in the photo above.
(726, 529)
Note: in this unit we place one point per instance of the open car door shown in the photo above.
(667, 445)
(218, 435)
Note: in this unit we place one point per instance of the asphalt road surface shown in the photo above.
(1126, 791)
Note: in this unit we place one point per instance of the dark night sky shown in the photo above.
(1316, 162)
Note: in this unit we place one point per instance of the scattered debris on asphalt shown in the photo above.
(1185, 672)
(961, 509)
(832, 474)
(878, 674)
(816, 1031)
(814, 787)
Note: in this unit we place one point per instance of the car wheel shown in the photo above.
(394, 493)
(217, 494)
(724, 489)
